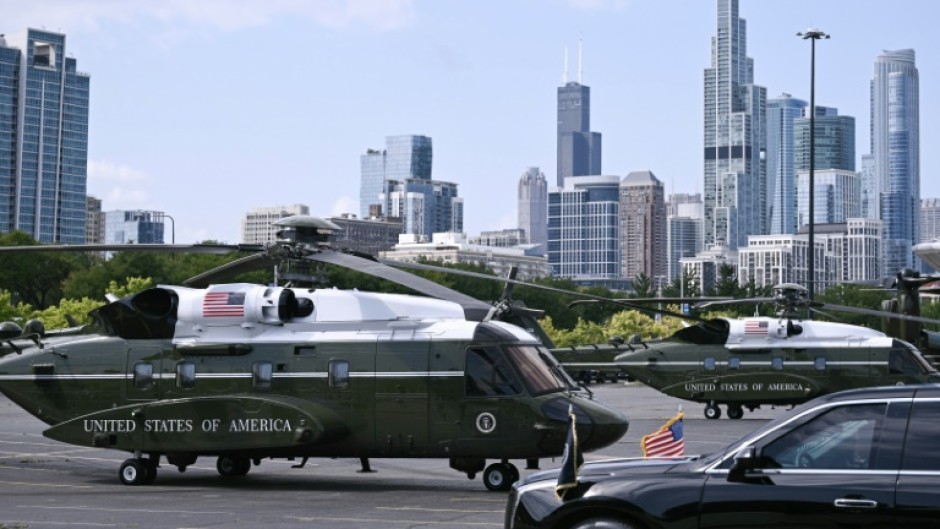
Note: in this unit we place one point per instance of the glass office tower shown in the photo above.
(43, 138)
(895, 148)
(782, 112)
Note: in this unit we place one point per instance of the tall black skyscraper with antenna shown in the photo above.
(579, 149)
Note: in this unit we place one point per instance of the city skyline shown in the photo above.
(255, 106)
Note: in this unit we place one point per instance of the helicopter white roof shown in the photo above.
(765, 332)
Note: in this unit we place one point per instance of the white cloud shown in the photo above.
(118, 186)
(226, 15)
(345, 205)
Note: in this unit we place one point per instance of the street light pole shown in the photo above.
(172, 233)
(813, 34)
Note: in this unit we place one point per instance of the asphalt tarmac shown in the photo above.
(47, 484)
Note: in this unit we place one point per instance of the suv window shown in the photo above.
(923, 431)
(845, 437)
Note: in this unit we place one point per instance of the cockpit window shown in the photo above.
(907, 360)
(539, 373)
(489, 374)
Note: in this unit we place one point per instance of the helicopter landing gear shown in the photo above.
(138, 471)
(712, 411)
(735, 412)
(231, 466)
(500, 476)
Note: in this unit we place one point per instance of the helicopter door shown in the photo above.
(492, 390)
(144, 373)
(401, 395)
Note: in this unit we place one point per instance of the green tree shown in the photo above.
(34, 278)
(642, 286)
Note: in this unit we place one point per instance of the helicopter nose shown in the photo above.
(597, 424)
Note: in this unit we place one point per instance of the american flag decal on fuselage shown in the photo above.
(223, 304)
(755, 327)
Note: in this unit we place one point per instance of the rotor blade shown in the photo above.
(248, 263)
(668, 301)
(879, 313)
(180, 248)
(634, 306)
(752, 301)
(474, 309)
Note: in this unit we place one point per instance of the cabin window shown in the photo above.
(143, 375)
(709, 363)
(305, 350)
(339, 374)
(185, 375)
(820, 363)
(489, 374)
(261, 375)
(776, 362)
(734, 363)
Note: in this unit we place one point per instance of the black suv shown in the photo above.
(860, 458)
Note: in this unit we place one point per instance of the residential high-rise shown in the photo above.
(835, 141)
(837, 197)
(258, 224)
(583, 241)
(43, 138)
(533, 206)
(895, 148)
(643, 226)
(781, 173)
(404, 157)
(133, 227)
(579, 149)
(870, 196)
(735, 201)
(683, 231)
(94, 221)
(425, 207)
(929, 219)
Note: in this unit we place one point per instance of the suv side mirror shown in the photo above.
(744, 461)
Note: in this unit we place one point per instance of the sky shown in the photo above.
(206, 109)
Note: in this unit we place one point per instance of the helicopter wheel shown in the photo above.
(233, 466)
(498, 477)
(152, 464)
(735, 412)
(513, 472)
(136, 471)
(712, 411)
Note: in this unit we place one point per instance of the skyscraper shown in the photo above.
(781, 173)
(835, 141)
(643, 226)
(895, 148)
(43, 139)
(533, 206)
(579, 149)
(735, 202)
(404, 157)
(837, 197)
(683, 230)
